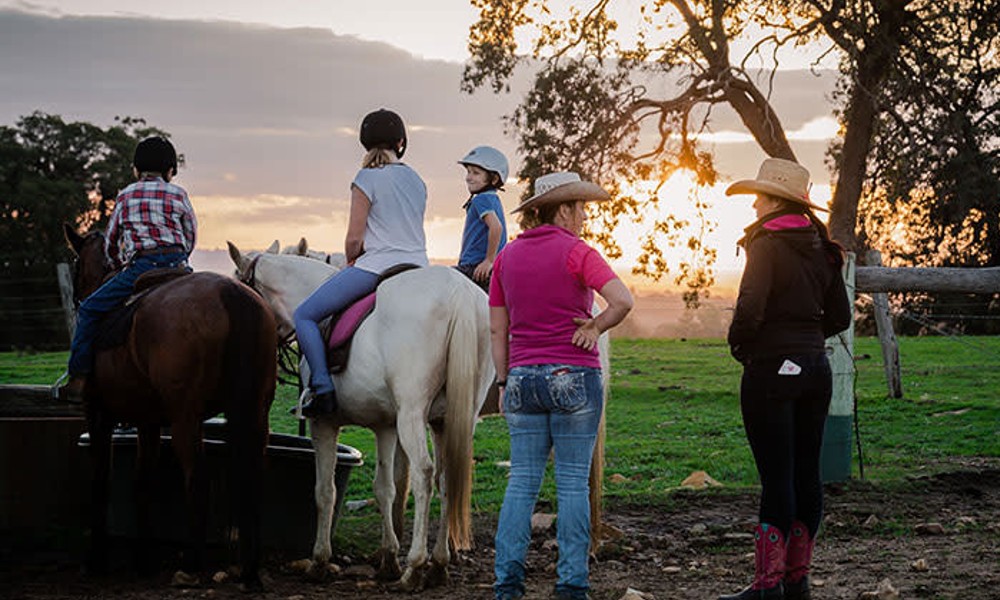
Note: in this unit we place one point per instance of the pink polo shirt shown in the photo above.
(546, 278)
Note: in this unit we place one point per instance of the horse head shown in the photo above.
(92, 266)
(283, 280)
(334, 259)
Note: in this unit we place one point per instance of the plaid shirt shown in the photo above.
(150, 214)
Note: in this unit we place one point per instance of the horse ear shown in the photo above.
(237, 257)
(74, 239)
(303, 247)
(274, 248)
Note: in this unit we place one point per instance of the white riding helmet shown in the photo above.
(488, 158)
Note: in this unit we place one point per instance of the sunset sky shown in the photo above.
(264, 99)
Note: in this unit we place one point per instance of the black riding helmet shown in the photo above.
(155, 155)
(383, 129)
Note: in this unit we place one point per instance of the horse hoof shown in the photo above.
(388, 566)
(182, 579)
(412, 580)
(318, 571)
(437, 576)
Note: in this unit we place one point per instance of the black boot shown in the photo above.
(798, 590)
(72, 390)
(320, 404)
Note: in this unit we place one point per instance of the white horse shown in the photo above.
(421, 358)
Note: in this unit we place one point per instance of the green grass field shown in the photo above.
(674, 409)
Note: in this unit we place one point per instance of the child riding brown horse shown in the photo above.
(199, 345)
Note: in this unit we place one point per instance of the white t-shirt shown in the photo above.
(394, 233)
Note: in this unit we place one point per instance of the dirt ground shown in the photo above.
(696, 546)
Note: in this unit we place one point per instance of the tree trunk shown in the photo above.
(874, 61)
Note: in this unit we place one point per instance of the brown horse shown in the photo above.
(199, 345)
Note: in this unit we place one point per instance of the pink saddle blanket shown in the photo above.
(350, 320)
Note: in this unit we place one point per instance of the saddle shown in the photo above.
(343, 325)
(116, 324)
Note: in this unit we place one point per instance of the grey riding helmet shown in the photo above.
(489, 159)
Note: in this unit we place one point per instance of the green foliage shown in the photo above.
(596, 107)
(934, 174)
(53, 171)
(622, 98)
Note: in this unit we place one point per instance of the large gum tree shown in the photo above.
(596, 102)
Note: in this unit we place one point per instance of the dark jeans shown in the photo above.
(784, 416)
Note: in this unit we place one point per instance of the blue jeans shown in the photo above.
(336, 294)
(105, 299)
(549, 406)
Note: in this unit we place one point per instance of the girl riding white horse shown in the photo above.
(421, 358)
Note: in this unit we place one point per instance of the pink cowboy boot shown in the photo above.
(800, 548)
(769, 554)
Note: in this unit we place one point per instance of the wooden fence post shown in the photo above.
(835, 456)
(886, 335)
(66, 294)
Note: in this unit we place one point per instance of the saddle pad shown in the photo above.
(350, 319)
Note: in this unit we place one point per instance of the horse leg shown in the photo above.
(411, 428)
(401, 475)
(190, 452)
(324, 438)
(440, 556)
(387, 555)
(100, 451)
(148, 452)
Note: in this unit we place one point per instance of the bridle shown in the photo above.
(288, 352)
(106, 264)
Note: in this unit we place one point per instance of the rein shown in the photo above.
(288, 352)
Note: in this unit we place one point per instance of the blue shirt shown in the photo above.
(476, 235)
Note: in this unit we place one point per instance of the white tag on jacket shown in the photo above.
(789, 368)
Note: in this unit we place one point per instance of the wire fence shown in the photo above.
(31, 311)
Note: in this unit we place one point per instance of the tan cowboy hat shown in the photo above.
(778, 177)
(563, 186)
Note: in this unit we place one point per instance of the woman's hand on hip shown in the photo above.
(586, 333)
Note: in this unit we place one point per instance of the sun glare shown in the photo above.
(724, 220)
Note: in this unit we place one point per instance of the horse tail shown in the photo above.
(597, 461)
(247, 386)
(459, 421)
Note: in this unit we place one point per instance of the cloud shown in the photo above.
(821, 129)
(277, 108)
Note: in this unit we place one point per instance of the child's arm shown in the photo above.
(190, 224)
(482, 272)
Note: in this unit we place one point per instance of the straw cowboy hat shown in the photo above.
(778, 177)
(564, 186)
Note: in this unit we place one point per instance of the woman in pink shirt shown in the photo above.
(544, 339)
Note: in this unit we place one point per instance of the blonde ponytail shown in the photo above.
(377, 158)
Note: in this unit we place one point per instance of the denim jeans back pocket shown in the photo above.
(568, 390)
(512, 394)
